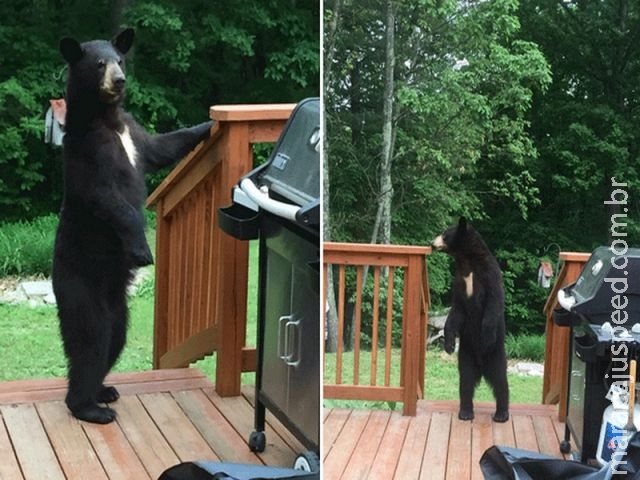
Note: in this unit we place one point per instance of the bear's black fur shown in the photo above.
(100, 238)
(477, 317)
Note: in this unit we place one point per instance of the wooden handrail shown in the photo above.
(387, 260)
(201, 273)
(556, 357)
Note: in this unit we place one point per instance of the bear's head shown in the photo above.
(459, 238)
(97, 67)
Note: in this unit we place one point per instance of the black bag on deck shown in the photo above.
(506, 463)
(233, 471)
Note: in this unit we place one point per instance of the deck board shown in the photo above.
(35, 454)
(367, 446)
(433, 445)
(164, 417)
(118, 459)
(340, 452)
(72, 446)
(412, 451)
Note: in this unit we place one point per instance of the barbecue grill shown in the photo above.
(279, 203)
(602, 308)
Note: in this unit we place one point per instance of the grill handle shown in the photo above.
(263, 200)
(283, 340)
(565, 301)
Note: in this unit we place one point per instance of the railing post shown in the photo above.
(161, 322)
(233, 267)
(556, 358)
(411, 335)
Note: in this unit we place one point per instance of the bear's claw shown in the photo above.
(107, 395)
(95, 414)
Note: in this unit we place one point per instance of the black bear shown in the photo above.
(477, 317)
(100, 238)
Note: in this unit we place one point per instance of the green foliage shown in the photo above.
(526, 347)
(368, 311)
(19, 128)
(524, 299)
(461, 137)
(187, 56)
(26, 247)
(586, 126)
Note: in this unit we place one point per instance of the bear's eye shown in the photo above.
(101, 63)
(119, 61)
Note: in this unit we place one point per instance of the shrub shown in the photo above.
(26, 247)
(524, 298)
(367, 309)
(526, 347)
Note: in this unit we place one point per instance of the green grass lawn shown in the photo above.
(32, 348)
(441, 379)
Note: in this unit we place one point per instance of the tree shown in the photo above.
(382, 224)
(332, 19)
(586, 126)
(464, 84)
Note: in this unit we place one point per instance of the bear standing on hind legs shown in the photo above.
(477, 317)
(100, 238)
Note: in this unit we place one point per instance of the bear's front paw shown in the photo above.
(489, 341)
(449, 344)
(141, 257)
(206, 130)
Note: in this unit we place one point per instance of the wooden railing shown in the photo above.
(391, 265)
(556, 357)
(201, 273)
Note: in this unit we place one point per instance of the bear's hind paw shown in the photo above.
(107, 394)
(500, 417)
(465, 414)
(95, 414)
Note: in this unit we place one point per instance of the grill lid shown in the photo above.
(293, 170)
(288, 184)
(608, 282)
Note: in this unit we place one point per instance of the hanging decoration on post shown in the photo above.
(54, 121)
(545, 274)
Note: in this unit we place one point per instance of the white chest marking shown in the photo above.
(129, 147)
(468, 282)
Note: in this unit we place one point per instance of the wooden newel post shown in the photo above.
(555, 386)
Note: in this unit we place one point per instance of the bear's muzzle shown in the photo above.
(112, 86)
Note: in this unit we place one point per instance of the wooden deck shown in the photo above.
(164, 417)
(434, 445)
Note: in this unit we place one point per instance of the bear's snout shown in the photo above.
(113, 83)
(438, 243)
(118, 84)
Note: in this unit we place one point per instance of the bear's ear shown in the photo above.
(124, 40)
(71, 50)
(462, 224)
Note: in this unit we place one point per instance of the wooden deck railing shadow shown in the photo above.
(556, 357)
(391, 266)
(201, 272)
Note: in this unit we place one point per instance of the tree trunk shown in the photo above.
(382, 226)
(330, 310)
